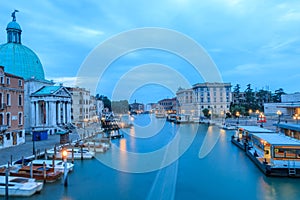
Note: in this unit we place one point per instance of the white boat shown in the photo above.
(97, 147)
(19, 186)
(228, 127)
(182, 118)
(58, 165)
(77, 153)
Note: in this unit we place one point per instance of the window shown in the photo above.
(2, 79)
(20, 100)
(20, 134)
(20, 119)
(8, 119)
(20, 82)
(8, 136)
(8, 81)
(8, 99)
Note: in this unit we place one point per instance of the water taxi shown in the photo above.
(275, 154)
(241, 136)
(20, 186)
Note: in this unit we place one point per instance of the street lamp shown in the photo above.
(262, 119)
(296, 117)
(279, 114)
(237, 114)
(64, 154)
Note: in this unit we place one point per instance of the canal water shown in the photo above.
(160, 160)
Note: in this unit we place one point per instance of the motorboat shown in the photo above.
(76, 153)
(58, 164)
(20, 186)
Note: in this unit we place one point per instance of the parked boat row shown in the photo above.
(275, 154)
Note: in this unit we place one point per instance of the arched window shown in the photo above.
(20, 119)
(8, 99)
(8, 119)
(20, 100)
(1, 119)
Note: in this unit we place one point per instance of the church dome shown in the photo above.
(13, 25)
(18, 59)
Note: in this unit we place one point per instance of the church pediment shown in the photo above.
(58, 91)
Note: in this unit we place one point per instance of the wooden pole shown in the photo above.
(6, 183)
(72, 155)
(11, 159)
(45, 155)
(44, 171)
(81, 152)
(22, 160)
(31, 170)
(53, 162)
(94, 146)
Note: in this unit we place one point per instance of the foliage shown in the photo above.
(105, 100)
(120, 107)
(206, 112)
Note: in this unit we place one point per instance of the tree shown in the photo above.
(105, 100)
(277, 96)
(206, 112)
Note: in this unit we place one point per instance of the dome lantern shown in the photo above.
(13, 30)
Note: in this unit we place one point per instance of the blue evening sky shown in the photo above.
(255, 41)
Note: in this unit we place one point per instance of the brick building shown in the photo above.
(11, 109)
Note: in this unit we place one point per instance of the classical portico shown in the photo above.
(50, 108)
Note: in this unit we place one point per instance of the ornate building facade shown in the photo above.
(216, 97)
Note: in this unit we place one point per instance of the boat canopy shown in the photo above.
(276, 139)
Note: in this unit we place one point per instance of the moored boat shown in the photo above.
(76, 153)
(40, 173)
(241, 136)
(182, 118)
(275, 154)
(58, 165)
(20, 186)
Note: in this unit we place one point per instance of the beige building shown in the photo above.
(81, 100)
(215, 97)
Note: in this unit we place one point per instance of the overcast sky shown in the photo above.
(255, 41)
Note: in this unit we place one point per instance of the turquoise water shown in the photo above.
(224, 173)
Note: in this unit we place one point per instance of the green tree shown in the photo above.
(206, 112)
(277, 95)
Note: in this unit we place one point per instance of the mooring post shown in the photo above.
(11, 158)
(6, 183)
(81, 152)
(44, 171)
(31, 170)
(72, 155)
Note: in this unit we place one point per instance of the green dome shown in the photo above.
(19, 60)
(13, 25)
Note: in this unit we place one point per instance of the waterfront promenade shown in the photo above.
(26, 149)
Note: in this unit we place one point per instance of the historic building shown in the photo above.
(81, 103)
(136, 107)
(21, 61)
(289, 106)
(169, 105)
(11, 109)
(216, 97)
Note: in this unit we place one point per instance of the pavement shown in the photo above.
(15, 153)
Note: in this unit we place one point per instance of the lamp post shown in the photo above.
(296, 117)
(261, 117)
(279, 114)
(64, 156)
(237, 114)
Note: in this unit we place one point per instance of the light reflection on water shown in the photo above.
(225, 173)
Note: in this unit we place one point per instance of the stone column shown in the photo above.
(59, 113)
(32, 114)
(37, 117)
(47, 113)
(69, 112)
(63, 104)
(52, 113)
